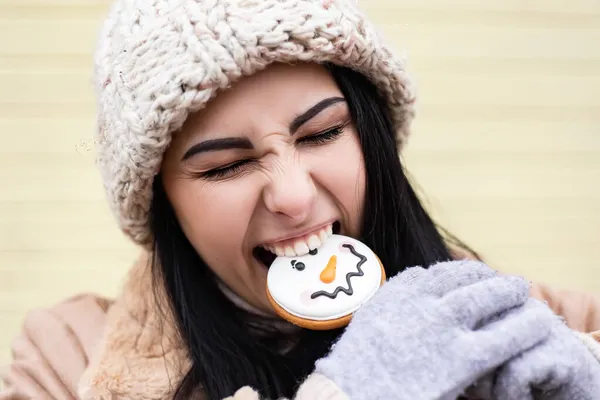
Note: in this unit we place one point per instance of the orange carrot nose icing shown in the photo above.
(328, 274)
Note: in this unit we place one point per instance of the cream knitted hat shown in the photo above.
(157, 61)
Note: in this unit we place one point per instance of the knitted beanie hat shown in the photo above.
(157, 61)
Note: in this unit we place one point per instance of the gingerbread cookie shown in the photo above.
(322, 289)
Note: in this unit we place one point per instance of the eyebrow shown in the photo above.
(244, 143)
(218, 144)
(312, 112)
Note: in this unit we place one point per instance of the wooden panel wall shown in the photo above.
(506, 145)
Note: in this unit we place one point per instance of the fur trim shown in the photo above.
(140, 355)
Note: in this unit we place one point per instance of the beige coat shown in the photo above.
(93, 348)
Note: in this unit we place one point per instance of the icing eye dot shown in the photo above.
(313, 252)
(293, 262)
(299, 266)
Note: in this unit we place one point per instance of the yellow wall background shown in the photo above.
(506, 144)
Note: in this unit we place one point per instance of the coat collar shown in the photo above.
(140, 355)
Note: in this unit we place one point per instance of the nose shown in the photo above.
(328, 273)
(292, 194)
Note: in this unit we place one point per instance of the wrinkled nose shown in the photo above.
(292, 194)
(328, 273)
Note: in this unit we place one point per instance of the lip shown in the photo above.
(298, 234)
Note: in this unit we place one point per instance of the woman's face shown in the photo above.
(273, 162)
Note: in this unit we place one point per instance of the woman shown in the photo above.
(228, 126)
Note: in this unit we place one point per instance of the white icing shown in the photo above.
(292, 289)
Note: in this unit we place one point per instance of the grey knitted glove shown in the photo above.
(426, 334)
(559, 368)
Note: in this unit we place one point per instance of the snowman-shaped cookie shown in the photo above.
(322, 289)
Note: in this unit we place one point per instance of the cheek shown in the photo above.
(214, 216)
(341, 172)
(305, 298)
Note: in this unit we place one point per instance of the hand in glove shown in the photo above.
(561, 367)
(431, 333)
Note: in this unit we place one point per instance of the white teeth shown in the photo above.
(314, 242)
(323, 236)
(301, 248)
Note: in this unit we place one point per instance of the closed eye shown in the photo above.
(323, 137)
(227, 170)
(238, 166)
